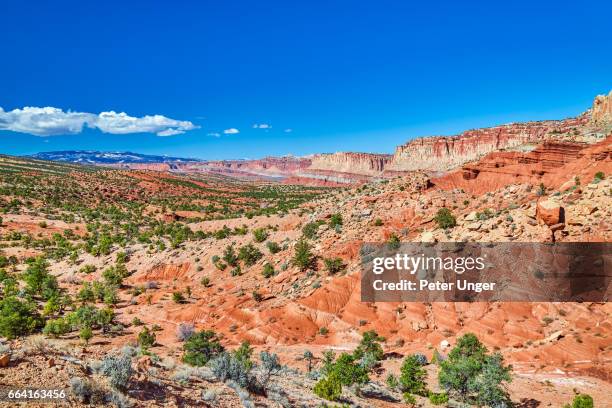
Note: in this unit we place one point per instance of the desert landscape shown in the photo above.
(233, 283)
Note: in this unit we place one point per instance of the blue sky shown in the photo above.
(342, 75)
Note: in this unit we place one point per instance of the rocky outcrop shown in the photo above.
(268, 166)
(443, 153)
(367, 164)
(551, 163)
(5, 359)
(550, 212)
(544, 158)
(601, 113)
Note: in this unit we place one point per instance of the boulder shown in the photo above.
(550, 212)
(475, 226)
(5, 359)
(366, 213)
(471, 216)
(428, 236)
(373, 390)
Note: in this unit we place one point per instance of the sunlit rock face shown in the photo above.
(602, 110)
(442, 153)
(353, 163)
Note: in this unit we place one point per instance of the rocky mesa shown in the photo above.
(369, 164)
(442, 153)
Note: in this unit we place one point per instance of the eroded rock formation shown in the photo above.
(602, 110)
(550, 163)
(352, 163)
(443, 153)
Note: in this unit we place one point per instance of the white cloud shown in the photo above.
(43, 121)
(214, 134)
(231, 131)
(262, 126)
(51, 121)
(288, 130)
(121, 123)
(170, 132)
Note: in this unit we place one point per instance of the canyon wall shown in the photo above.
(443, 153)
(434, 154)
(367, 164)
(268, 166)
(552, 163)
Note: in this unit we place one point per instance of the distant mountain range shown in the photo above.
(96, 157)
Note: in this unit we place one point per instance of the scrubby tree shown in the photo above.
(178, 297)
(303, 257)
(249, 254)
(333, 265)
(229, 255)
(413, 375)
(310, 229)
(600, 175)
(445, 218)
(392, 381)
(581, 401)
(335, 220)
(17, 317)
(409, 399)
(329, 388)
(86, 334)
(273, 247)
(268, 271)
(57, 327)
(201, 347)
(437, 398)
(370, 344)
(346, 369)
(472, 375)
(394, 241)
(38, 280)
(487, 385)
(244, 353)
(260, 234)
(115, 274)
(146, 339)
(541, 189)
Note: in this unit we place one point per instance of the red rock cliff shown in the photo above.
(367, 164)
(268, 166)
(442, 153)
